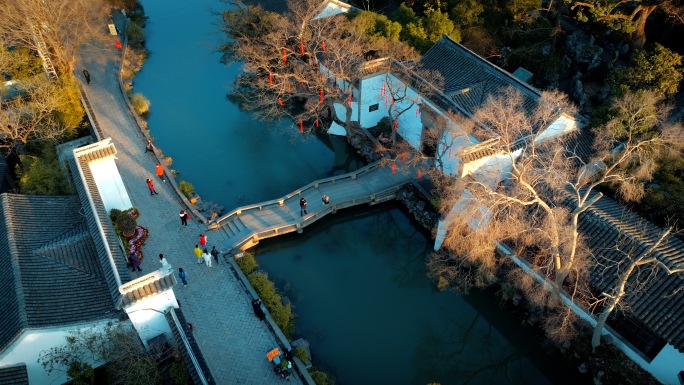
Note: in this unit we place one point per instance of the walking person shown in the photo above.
(203, 241)
(184, 218)
(207, 257)
(325, 199)
(135, 262)
(150, 185)
(86, 75)
(198, 253)
(163, 261)
(183, 275)
(149, 147)
(302, 206)
(159, 170)
(215, 253)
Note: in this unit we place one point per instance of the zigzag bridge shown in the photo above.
(372, 184)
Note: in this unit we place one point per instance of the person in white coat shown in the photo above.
(207, 257)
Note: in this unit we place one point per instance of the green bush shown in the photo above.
(140, 103)
(321, 378)
(301, 353)
(282, 315)
(41, 174)
(247, 263)
(135, 33)
(179, 373)
(186, 188)
(125, 223)
(113, 214)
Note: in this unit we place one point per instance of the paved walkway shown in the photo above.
(233, 341)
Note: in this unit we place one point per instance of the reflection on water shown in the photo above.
(371, 314)
(357, 278)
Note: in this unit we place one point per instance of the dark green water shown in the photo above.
(357, 279)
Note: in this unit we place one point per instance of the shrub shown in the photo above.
(247, 263)
(140, 103)
(301, 353)
(41, 174)
(179, 373)
(321, 378)
(186, 188)
(125, 223)
(113, 214)
(282, 314)
(135, 34)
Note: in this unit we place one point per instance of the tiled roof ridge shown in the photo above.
(635, 227)
(148, 285)
(77, 233)
(487, 65)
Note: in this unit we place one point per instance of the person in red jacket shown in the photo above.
(150, 185)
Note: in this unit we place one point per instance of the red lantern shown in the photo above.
(284, 55)
(419, 174)
(323, 45)
(350, 100)
(301, 126)
(417, 110)
(392, 101)
(289, 87)
(396, 124)
(118, 44)
(301, 46)
(270, 78)
(280, 101)
(403, 156)
(316, 122)
(394, 168)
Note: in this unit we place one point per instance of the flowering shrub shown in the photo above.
(136, 241)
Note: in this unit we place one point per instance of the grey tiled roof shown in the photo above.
(188, 347)
(470, 79)
(49, 272)
(147, 285)
(99, 221)
(14, 375)
(611, 230)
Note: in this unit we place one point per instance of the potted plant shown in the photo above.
(126, 224)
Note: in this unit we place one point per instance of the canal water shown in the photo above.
(357, 278)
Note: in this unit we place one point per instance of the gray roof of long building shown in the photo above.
(14, 375)
(99, 222)
(470, 79)
(50, 274)
(612, 231)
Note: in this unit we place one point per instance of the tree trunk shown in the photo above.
(614, 300)
(641, 14)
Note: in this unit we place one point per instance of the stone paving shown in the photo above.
(233, 341)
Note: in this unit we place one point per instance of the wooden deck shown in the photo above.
(372, 184)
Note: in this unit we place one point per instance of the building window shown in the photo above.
(373, 107)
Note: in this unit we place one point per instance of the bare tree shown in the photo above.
(297, 67)
(62, 25)
(118, 345)
(532, 197)
(630, 259)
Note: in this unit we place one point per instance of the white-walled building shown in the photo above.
(62, 269)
